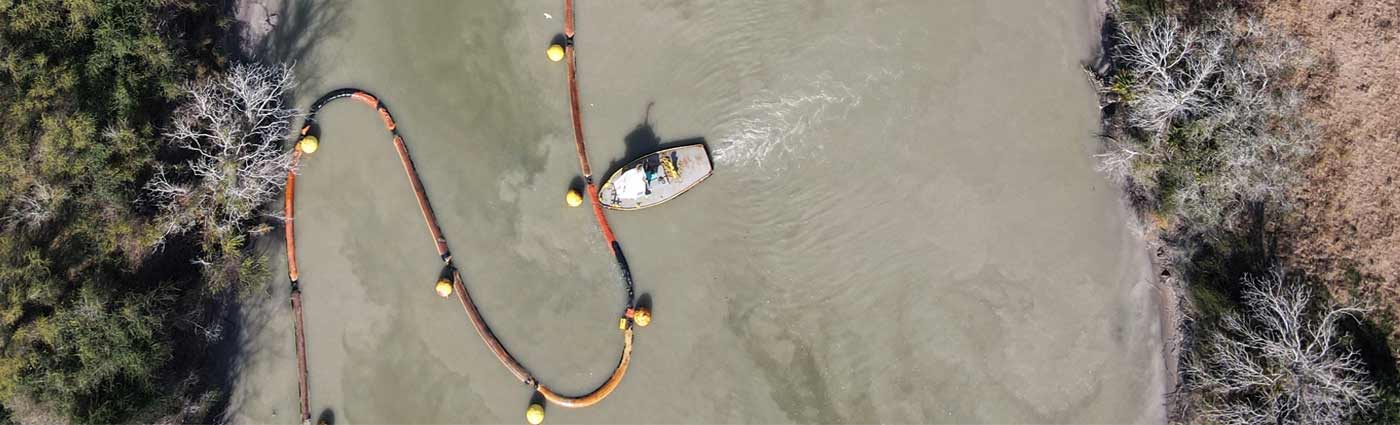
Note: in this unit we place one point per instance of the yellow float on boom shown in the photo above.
(535, 414)
(444, 288)
(309, 144)
(573, 198)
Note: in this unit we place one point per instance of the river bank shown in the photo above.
(1168, 288)
(113, 295)
(1248, 162)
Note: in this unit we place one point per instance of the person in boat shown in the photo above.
(651, 168)
(636, 182)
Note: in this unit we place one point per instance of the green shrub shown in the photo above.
(87, 312)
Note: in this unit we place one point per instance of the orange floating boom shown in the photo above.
(440, 242)
(616, 248)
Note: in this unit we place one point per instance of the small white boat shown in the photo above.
(656, 178)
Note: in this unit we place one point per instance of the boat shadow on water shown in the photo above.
(327, 417)
(642, 141)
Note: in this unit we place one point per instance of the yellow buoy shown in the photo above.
(444, 288)
(555, 52)
(573, 198)
(642, 316)
(309, 144)
(535, 414)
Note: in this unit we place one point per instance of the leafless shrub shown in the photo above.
(1203, 206)
(1278, 363)
(1259, 130)
(202, 324)
(28, 411)
(233, 125)
(31, 208)
(1118, 159)
(1174, 69)
(192, 405)
(1219, 92)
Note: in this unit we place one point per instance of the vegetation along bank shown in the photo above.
(134, 157)
(1227, 128)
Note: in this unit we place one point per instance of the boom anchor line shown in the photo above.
(451, 280)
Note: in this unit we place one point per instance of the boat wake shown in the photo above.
(777, 127)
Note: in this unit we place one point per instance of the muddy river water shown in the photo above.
(903, 225)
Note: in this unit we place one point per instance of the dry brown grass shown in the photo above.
(1349, 207)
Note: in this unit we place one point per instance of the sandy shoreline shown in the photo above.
(1167, 287)
(256, 19)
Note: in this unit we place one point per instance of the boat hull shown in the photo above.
(656, 178)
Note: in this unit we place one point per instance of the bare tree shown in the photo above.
(233, 127)
(1217, 90)
(1118, 159)
(1258, 129)
(1175, 68)
(1278, 363)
